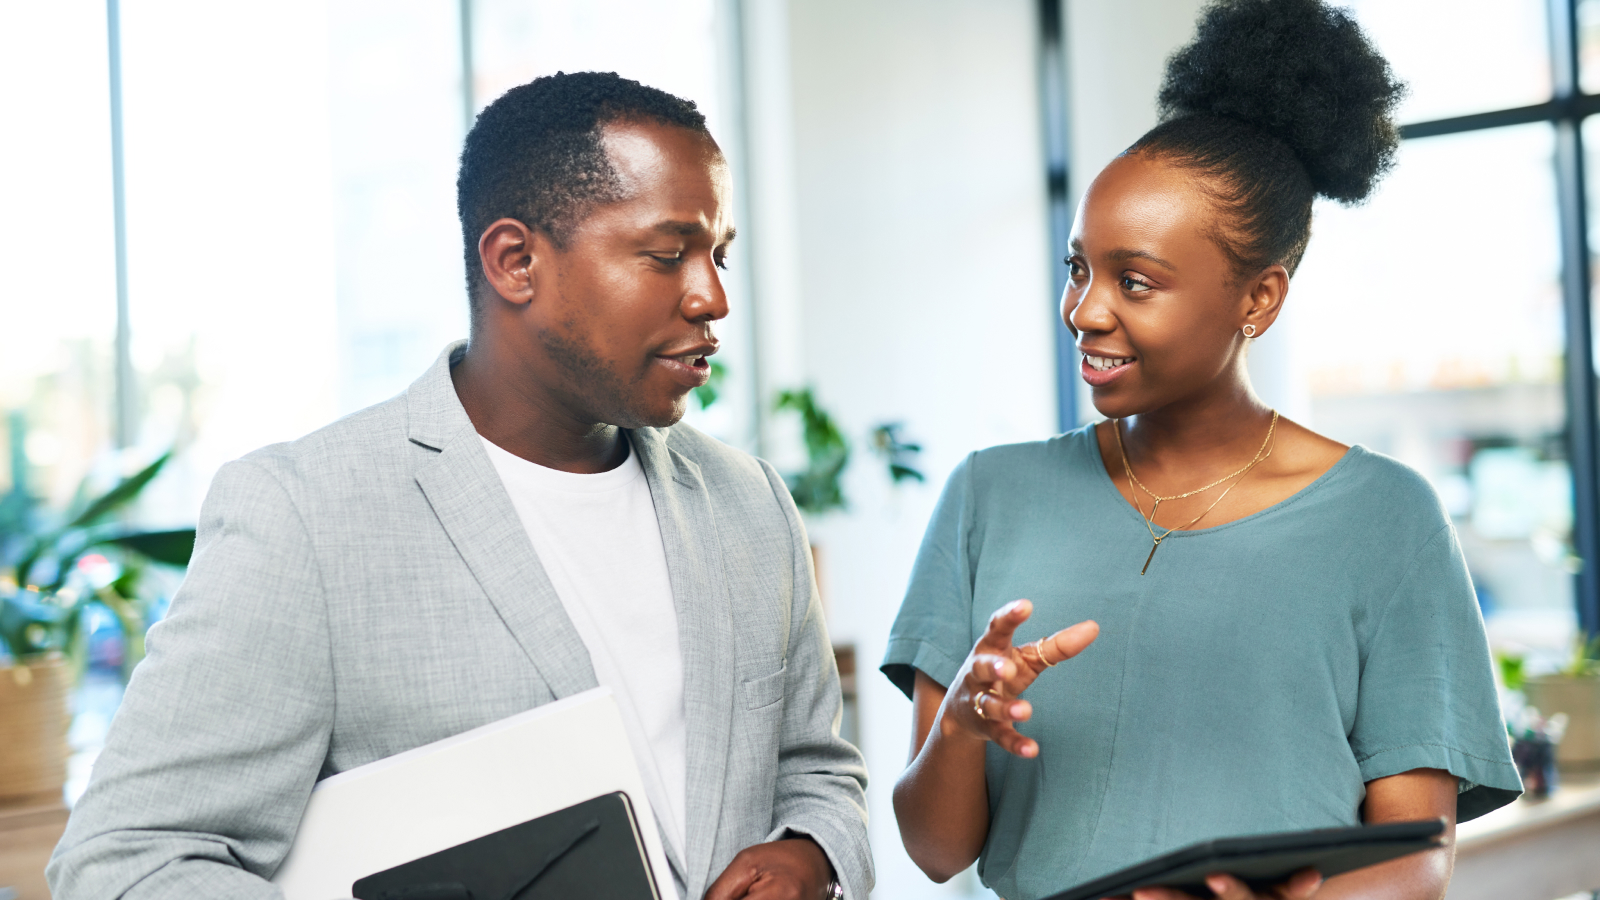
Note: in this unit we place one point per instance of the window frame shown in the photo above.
(1566, 111)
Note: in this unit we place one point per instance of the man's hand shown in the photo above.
(795, 869)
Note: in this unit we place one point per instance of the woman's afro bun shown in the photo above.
(1299, 71)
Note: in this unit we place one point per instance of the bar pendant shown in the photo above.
(1154, 546)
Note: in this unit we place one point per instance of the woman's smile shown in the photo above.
(1102, 370)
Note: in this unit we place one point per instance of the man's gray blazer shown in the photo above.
(369, 588)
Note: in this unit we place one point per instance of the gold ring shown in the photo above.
(1038, 647)
(977, 704)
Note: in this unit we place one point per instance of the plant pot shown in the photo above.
(34, 716)
(1579, 698)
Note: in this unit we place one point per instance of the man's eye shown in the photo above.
(722, 263)
(669, 259)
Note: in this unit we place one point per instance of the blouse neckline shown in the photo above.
(1088, 432)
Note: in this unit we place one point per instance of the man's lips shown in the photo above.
(1101, 370)
(690, 368)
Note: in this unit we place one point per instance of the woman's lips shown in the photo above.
(1099, 377)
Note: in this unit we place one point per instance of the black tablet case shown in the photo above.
(591, 850)
(1266, 859)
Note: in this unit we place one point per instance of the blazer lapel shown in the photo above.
(472, 504)
(705, 633)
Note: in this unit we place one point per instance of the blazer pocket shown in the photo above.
(766, 690)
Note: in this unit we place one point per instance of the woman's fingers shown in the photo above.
(1301, 885)
(1227, 887)
(1006, 736)
(1003, 624)
(1069, 642)
(1001, 709)
(998, 672)
(990, 669)
(993, 716)
(1016, 744)
(1160, 893)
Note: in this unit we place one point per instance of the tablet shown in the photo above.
(1261, 860)
(591, 850)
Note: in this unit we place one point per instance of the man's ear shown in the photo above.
(510, 253)
(1264, 298)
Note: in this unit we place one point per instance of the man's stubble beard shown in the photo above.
(605, 394)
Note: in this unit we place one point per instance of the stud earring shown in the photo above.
(1249, 331)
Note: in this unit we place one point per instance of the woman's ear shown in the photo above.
(509, 252)
(1264, 298)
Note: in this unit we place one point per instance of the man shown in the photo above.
(526, 521)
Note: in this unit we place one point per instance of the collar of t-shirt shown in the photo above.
(599, 542)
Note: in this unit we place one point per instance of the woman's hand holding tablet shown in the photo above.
(1301, 886)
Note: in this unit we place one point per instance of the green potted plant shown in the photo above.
(44, 593)
(1574, 690)
(817, 488)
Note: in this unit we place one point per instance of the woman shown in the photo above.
(1287, 636)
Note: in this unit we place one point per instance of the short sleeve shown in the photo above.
(1427, 696)
(933, 630)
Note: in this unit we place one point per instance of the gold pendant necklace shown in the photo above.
(1150, 520)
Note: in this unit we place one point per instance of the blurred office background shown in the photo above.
(227, 224)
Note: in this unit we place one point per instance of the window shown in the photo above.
(1444, 323)
(57, 277)
(292, 250)
(1427, 324)
(1447, 322)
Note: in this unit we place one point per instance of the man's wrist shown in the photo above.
(833, 888)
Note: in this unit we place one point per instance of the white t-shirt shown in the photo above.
(599, 542)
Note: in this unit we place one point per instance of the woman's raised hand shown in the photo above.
(983, 703)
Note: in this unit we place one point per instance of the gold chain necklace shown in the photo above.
(1150, 520)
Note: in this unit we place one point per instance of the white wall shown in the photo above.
(1116, 53)
(912, 284)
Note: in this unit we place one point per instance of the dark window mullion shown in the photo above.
(1054, 110)
(1499, 118)
(1575, 291)
(1580, 377)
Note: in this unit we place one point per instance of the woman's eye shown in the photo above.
(1073, 269)
(1133, 285)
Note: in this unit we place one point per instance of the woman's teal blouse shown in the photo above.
(1252, 681)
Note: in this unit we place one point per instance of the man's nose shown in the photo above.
(705, 300)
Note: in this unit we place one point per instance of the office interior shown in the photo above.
(225, 225)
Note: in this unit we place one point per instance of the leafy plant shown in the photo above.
(1511, 670)
(708, 393)
(42, 603)
(819, 488)
(886, 443)
(816, 488)
(1585, 660)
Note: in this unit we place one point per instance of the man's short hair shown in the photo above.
(535, 154)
